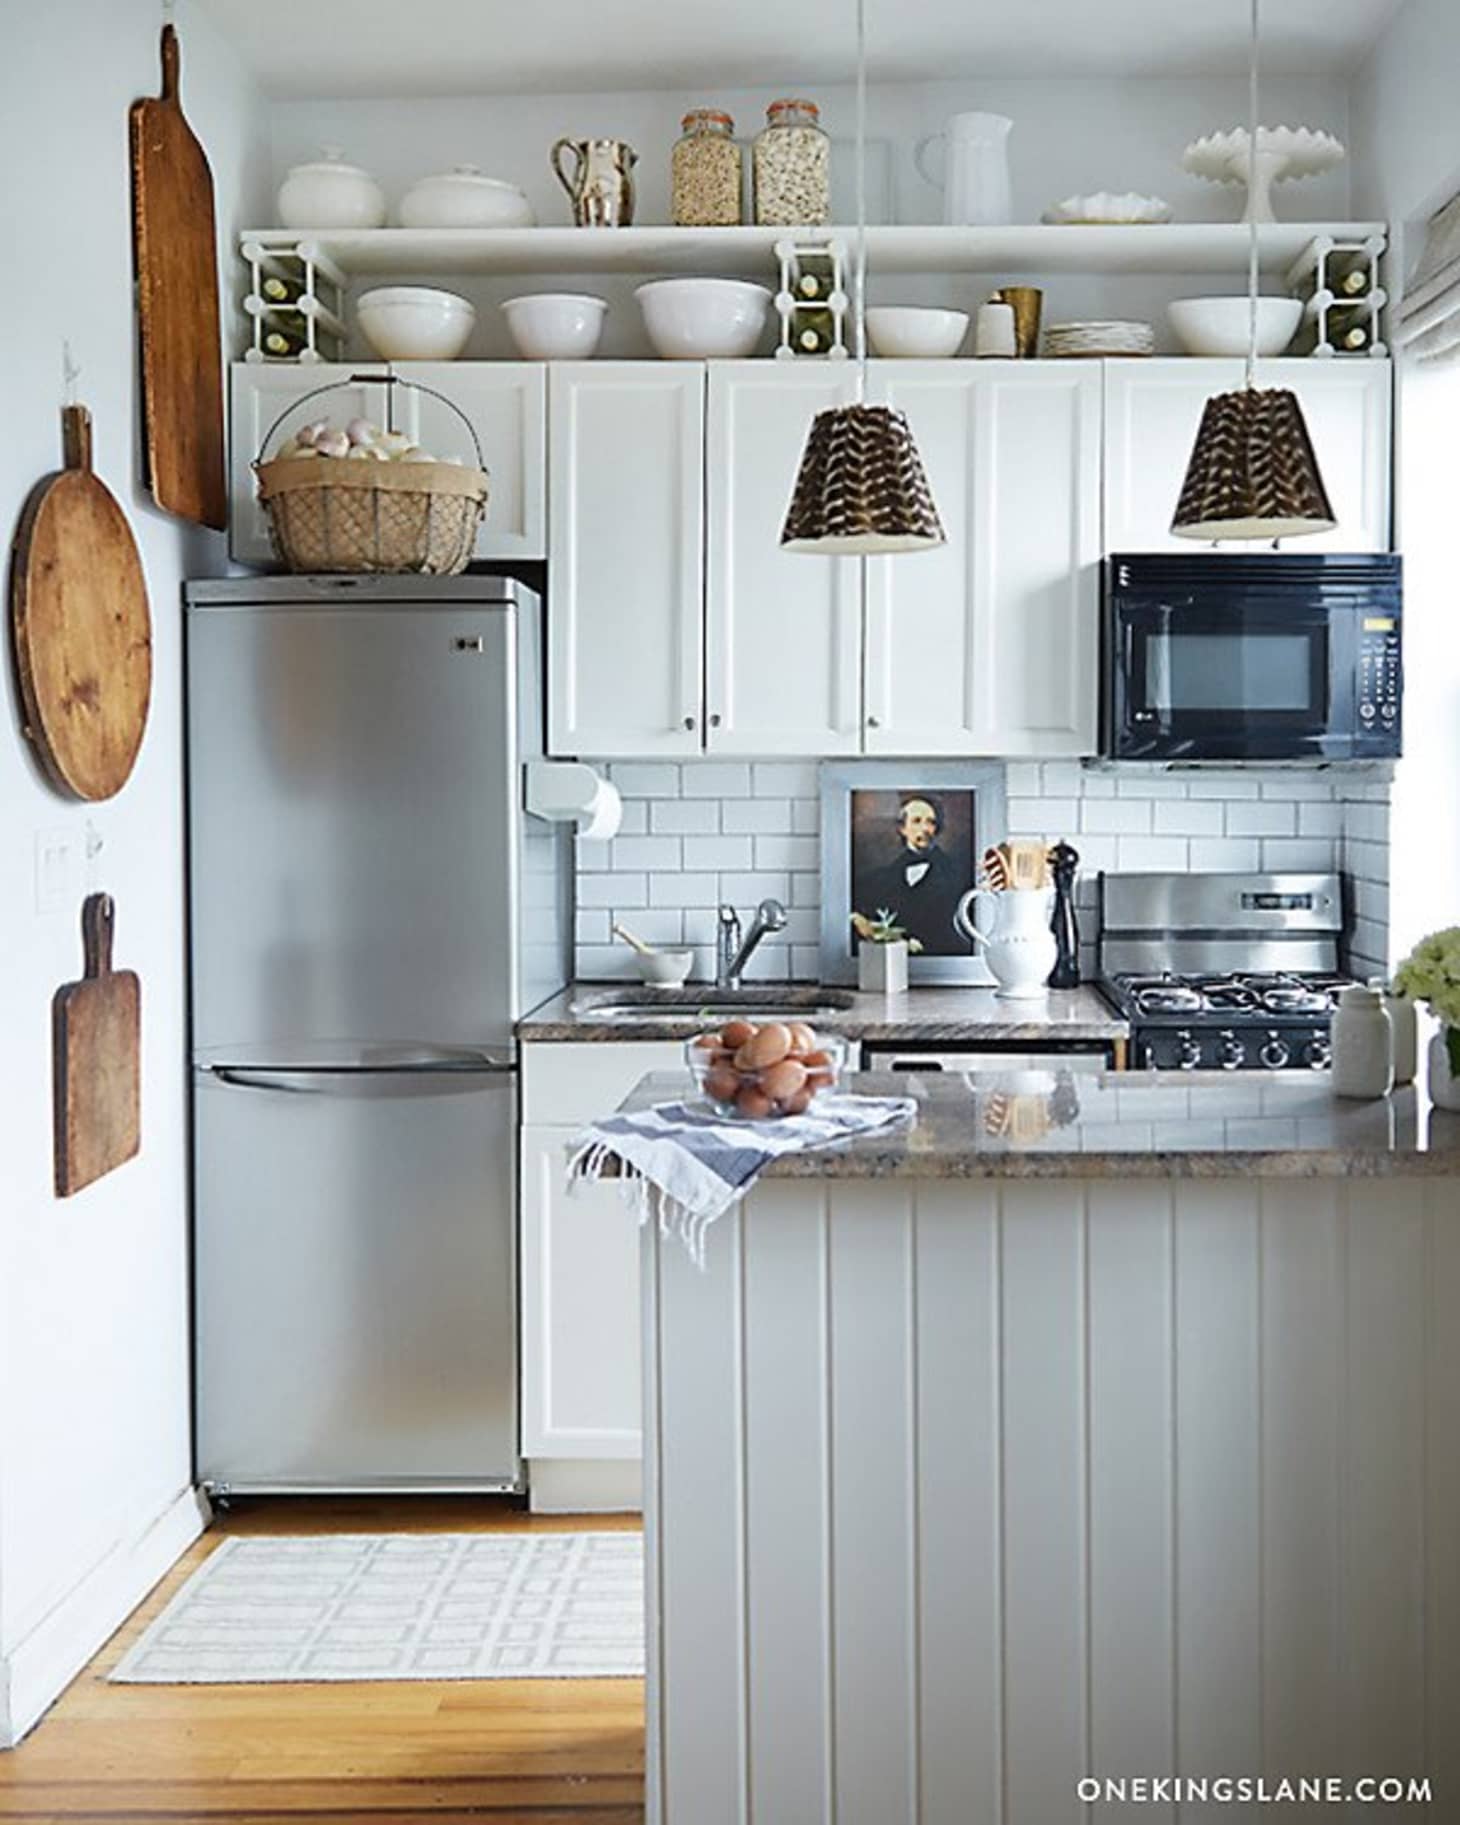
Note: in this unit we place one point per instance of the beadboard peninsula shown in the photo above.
(1089, 1427)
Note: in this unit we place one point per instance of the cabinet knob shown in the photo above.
(689, 722)
(715, 720)
(874, 722)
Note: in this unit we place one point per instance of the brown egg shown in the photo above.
(722, 1084)
(798, 1104)
(708, 1042)
(753, 1103)
(820, 1070)
(734, 1034)
(803, 1039)
(769, 1046)
(784, 1080)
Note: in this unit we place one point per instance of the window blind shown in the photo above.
(1429, 318)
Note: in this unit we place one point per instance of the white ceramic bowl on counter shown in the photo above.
(464, 198)
(703, 319)
(415, 322)
(330, 194)
(913, 333)
(555, 326)
(1218, 326)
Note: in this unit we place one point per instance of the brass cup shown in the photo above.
(1028, 303)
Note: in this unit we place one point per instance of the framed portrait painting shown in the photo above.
(902, 840)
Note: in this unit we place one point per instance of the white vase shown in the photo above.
(882, 968)
(1444, 1081)
(1018, 943)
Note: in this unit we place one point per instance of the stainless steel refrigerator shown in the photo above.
(370, 912)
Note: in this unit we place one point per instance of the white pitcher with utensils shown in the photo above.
(1018, 943)
(975, 175)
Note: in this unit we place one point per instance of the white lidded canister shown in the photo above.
(1363, 1044)
(1405, 1021)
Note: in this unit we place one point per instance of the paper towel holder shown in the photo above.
(567, 791)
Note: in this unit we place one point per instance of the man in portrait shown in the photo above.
(922, 885)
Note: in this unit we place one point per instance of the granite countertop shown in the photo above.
(1047, 1124)
(926, 1014)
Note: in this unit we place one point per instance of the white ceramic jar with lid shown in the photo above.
(330, 194)
(1363, 1044)
(465, 198)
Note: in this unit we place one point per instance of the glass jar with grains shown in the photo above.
(791, 167)
(704, 167)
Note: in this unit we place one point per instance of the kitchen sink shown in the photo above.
(706, 1003)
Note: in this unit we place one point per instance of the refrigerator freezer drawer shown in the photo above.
(355, 1278)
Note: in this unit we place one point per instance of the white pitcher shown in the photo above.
(1020, 947)
(975, 178)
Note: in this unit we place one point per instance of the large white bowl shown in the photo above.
(911, 332)
(464, 198)
(703, 319)
(1218, 326)
(555, 326)
(414, 322)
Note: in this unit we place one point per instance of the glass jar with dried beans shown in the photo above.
(791, 167)
(705, 173)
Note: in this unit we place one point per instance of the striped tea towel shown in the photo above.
(685, 1166)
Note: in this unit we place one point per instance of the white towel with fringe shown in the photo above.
(684, 1166)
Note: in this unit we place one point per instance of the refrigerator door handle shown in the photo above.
(424, 1080)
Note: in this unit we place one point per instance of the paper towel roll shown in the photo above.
(604, 814)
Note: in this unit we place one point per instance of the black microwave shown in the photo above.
(1267, 657)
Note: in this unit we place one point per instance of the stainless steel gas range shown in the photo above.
(1232, 972)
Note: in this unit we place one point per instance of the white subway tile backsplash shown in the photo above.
(592, 926)
(1151, 853)
(1063, 778)
(1225, 855)
(806, 962)
(718, 852)
(787, 779)
(806, 816)
(612, 890)
(644, 779)
(658, 925)
(1022, 779)
(771, 816)
(1151, 786)
(646, 852)
(1220, 785)
(1295, 785)
(1046, 817)
(1298, 855)
(635, 818)
(1320, 818)
(1185, 817)
(684, 816)
(749, 889)
(1368, 861)
(1262, 819)
(715, 779)
(684, 889)
(806, 890)
(1116, 817)
(787, 852)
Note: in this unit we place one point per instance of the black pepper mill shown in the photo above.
(1066, 972)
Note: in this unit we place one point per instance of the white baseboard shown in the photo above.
(585, 1485)
(40, 1668)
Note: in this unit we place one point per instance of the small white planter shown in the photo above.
(882, 968)
(1444, 1082)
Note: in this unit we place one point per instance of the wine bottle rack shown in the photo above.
(1331, 313)
(315, 314)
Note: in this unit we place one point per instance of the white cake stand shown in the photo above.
(1282, 152)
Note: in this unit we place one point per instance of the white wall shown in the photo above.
(95, 1455)
(1407, 145)
(1068, 136)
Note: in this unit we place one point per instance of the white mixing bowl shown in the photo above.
(703, 319)
(415, 323)
(912, 332)
(555, 326)
(1218, 326)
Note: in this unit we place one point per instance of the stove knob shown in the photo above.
(1275, 1053)
(1231, 1053)
(1188, 1053)
(1317, 1054)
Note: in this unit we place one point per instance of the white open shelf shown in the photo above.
(1174, 247)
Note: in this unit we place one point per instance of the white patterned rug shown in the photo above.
(402, 1606)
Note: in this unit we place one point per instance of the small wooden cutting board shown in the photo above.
(96, 1027)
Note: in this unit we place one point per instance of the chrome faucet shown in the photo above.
(731, 956)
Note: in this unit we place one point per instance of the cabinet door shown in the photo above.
(990, 645)
(1153, 408)
(626, 551)
(580, 1309)
(783, 629)
(259, 392)
(506, 403)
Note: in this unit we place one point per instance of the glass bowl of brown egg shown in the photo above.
(755, 1073)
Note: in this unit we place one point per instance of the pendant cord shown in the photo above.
(1251, 203)
(859, 278)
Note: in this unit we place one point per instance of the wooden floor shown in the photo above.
(542, 1752)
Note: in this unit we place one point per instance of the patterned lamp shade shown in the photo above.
(1252, 474)
(861, 487)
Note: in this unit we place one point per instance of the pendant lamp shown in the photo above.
(861, 489)
(1253, 473)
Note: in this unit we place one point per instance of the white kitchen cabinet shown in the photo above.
(506, 403)
(579, 1258)
(1153, 409)
(990, 644)
(626, 553)
(783, 629)
(259, 393)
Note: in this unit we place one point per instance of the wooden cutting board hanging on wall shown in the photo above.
(97, 1044)
(81, 625)
(177, 299)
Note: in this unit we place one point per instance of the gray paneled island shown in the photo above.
(1090, 1428)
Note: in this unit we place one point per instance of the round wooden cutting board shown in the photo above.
(82, 630)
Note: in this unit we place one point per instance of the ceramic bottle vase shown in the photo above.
(1017, 942)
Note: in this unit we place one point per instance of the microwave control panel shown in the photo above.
(1379, 675)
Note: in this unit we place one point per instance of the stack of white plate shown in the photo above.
(1092, 339)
